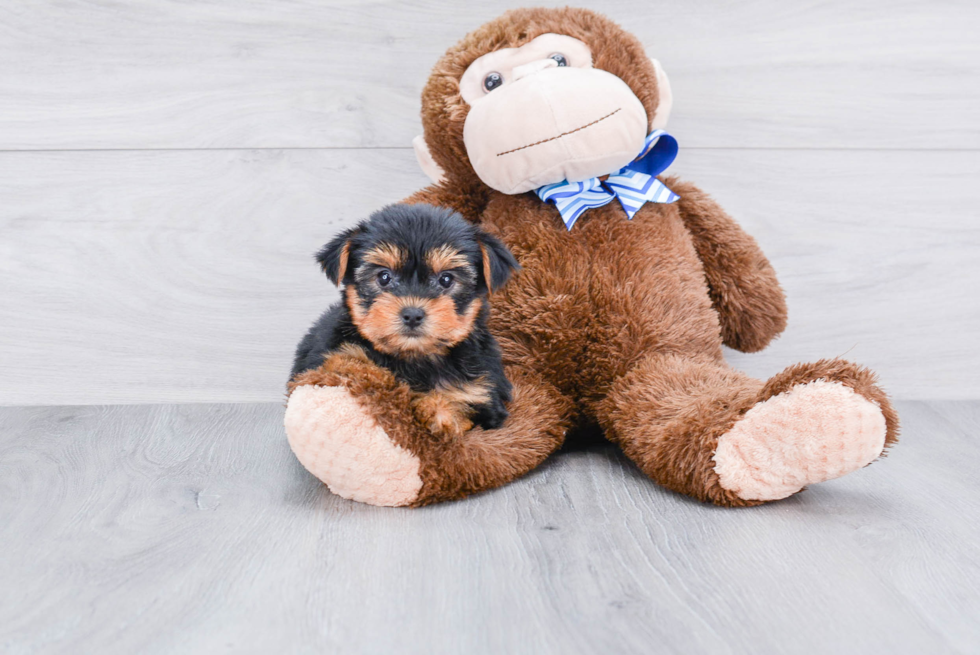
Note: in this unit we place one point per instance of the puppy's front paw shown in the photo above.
(491, 416)
(449, 410)
(441, 414)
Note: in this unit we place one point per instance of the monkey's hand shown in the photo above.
(743, 286)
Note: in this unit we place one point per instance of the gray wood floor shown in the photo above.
(192, 529)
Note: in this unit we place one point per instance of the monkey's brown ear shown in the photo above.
(428, 164)
(666, 100)
(334, 256)
(498, 262)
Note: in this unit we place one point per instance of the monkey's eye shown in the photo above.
(560, 58)
(446, 280)
(384, 278)
(492, 81)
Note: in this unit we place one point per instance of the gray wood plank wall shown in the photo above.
(167, 168)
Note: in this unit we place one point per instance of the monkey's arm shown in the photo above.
(743, 285)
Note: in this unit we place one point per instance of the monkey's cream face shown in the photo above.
(540, 114)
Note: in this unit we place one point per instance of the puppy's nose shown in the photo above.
(413, 316)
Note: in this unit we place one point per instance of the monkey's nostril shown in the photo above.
(412, 316)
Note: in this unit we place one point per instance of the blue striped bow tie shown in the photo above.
(635, 184)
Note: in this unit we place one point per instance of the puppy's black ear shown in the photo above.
(498, 263)
(334, 256)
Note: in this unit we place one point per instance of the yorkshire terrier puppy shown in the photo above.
(415, 282)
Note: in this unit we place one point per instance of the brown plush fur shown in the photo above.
(617, 323)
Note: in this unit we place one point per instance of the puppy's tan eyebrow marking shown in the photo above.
(444, 258)
(385, 254)
(577, 129)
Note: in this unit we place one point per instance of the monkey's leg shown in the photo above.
(701, 428)
(352, 425)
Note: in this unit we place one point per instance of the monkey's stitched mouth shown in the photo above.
(577, 129)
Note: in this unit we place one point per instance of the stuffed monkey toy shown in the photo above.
(545, 127)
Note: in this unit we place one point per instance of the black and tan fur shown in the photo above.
(415, 282)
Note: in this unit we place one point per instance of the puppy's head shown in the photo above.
(415, 277)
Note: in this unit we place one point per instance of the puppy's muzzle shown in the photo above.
(412, 317)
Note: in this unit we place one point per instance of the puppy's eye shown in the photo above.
(560, 58)
(446, 280)
(492, 81)
(384, 278)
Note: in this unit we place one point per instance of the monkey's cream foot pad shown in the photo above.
(814, 432)
(342, 445)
